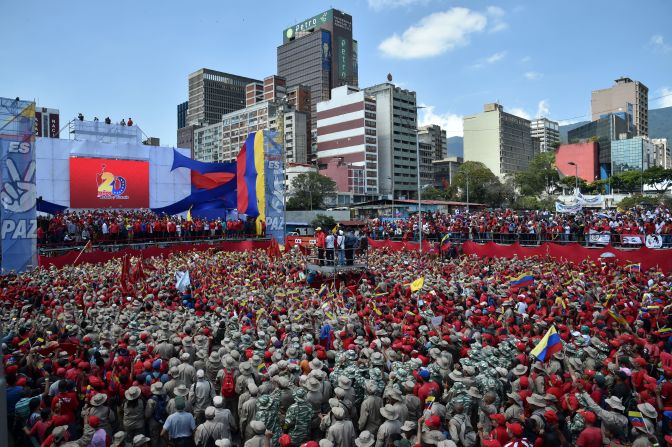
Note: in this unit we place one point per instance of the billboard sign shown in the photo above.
(18, 194)
(326, 51)
(307, 26)
(108, 183)
(274, 175)
(344, 60)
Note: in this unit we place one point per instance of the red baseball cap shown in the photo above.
(515, 428)
(589, 416)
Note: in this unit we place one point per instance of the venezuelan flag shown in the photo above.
(417, 284)
(634, 267)
(636, 418)
(524, 280)
(613, 313)
(548, 345)
(323, 291)
(250, 178)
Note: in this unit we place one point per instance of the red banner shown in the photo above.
(106, 183)
(576, 253)
(95, 257)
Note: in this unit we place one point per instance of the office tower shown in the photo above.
(547, 132)
(182, 114)
(319, 53)
(214, 93)
(396, 127)
(499, 140)
(626, 97)
(603, 131)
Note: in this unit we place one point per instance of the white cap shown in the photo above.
(200, 374)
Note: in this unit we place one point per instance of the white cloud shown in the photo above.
(379, 5)
(519, 112)
(496, 15)
(657, 43)
(533, 75)
(449, 122)
(435, 34)
(666, 100)
(525, 59)
(543, 109)
(492, 59)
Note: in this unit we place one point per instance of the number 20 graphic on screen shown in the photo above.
(109, 184)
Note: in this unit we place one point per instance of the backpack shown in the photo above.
(228, 384)
(22, 408)
(209, 441)
(160, 413)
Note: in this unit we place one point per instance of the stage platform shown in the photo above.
(337, 269)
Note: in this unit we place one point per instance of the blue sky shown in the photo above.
(132, 58)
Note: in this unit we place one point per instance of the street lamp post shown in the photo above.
(576, 176)
(466, 172)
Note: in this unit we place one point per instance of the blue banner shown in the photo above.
(274, 171)
(18, 218)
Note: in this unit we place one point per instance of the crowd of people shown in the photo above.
(74, 228)
(414, 351)
(531, 227)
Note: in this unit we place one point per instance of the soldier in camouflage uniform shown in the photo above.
(299, 417)
(267, 412)
(458, 394)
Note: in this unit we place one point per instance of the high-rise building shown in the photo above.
(347, 150)
(185, 137)
(295, 133)
(547, 132)
(605, 130)
(627, 97)
(214, 93)
(662, 154)
(182, 114)
(499, 140)
(445, 171)
(434, 135)
(319, 53)
(47, 122)
(632, 154)
(396, 128)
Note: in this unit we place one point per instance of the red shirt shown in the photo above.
(426, 389)
(590, 437)
(69, 404)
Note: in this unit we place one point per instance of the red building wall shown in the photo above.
(584, 155)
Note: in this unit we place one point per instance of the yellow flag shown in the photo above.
(189, 215)
(417, 284)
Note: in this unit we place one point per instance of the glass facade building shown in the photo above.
(631, 155)
(605, 130)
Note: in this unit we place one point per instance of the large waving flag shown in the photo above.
(524, 280)
(548, 345)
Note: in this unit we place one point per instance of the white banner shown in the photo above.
(654, 241)
(599, 238)
(590, 200)
(632, 240)
(562, 208)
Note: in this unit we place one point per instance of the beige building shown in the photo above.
(499, 140)
(627, 97)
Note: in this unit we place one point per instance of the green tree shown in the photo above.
(309, 191)
(475, 177)
(630, 181)
(432, 193)
(596, 187)
(569, 182)
(540, 176)
(658, 178)
(323, 221)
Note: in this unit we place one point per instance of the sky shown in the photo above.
(132, 59)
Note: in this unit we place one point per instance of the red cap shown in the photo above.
(515, 429)
(491, 443)
(285, 440)
(499, 418)
(589, 416)
(433, 421)
(94, 421)
(551, 417)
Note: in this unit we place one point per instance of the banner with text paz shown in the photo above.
(18, 191)
(107, 183)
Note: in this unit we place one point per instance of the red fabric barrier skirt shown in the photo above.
(95, 257)
(576, 253)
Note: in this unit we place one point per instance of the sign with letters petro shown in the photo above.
(307, 26)
(18, 218)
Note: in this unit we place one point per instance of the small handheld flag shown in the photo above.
(417, 284)
(549, 345)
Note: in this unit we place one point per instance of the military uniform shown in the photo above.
(298, 418)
